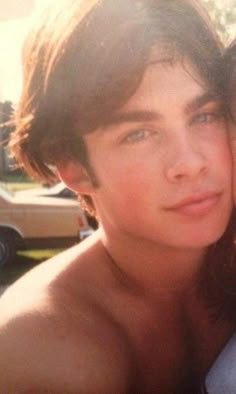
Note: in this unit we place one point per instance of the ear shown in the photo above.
(76, 177)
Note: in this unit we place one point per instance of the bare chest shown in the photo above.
(166, 361)
(171, 354)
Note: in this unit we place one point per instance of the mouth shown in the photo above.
(197, 205)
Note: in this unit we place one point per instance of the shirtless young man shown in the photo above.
(123, 99)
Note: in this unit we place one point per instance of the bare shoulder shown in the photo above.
(54, 334)
(57, 277)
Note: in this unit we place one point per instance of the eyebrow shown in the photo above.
(201, 100)
(149, 116)
(133, 116)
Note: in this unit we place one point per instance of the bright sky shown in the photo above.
(16, 17)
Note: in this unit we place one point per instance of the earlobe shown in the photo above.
(76, 177)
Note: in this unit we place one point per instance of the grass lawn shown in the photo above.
(39, 255)
(16, 186)
(14, 182)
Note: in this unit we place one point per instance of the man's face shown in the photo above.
(163, 163)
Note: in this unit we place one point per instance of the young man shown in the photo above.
(122, 100)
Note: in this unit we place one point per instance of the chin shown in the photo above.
(204, 239)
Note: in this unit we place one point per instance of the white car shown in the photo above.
(38, 222)
(59, 190)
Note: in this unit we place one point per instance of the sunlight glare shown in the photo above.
(12, 35)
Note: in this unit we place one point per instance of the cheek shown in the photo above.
(128, 183)
(127, 171)
(221, 154)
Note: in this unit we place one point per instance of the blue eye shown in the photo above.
(207, 117)
(203, 118)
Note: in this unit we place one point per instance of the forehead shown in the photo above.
(164, 80)
(166, 93)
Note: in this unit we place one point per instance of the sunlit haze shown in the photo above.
(16, 17)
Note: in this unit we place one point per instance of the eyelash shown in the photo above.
(208, 116)
(137, 136)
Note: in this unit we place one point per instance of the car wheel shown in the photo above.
(7, 249)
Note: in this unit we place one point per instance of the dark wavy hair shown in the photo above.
(217, 280)
(229, 60)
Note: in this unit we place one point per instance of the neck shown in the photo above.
(152, 267)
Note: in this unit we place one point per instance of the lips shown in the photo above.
(197, 205)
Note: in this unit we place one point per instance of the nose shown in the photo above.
(186, 162)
